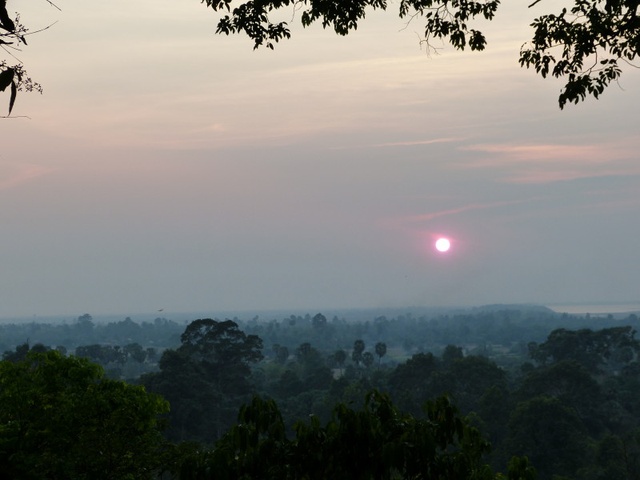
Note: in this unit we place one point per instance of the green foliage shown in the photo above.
(220, 346)
(410, 381)
(256, 447)
(377, 441)
(550, 434)
(593, 412)
(520, 469)
(60, 418)
(452, 353)
(311, 368)
(573, 386)
(281, 354)
(608, 348)
(197, 406)
(469, 378)
(205, 378)
(22, 351)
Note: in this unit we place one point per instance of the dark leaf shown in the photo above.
(14, 92)
(5, 20)
(6, 78)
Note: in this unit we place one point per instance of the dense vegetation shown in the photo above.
(482, 391)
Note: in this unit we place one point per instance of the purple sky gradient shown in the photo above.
(167, 167)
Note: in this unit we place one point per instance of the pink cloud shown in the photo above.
(426, 217)
(410, 143)
(12, 175)
(547, 163)
(549, 176)
(502, 154)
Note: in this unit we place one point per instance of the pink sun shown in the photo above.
(443, 244)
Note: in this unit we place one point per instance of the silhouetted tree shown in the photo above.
(367, 359)
(584, 43)
(205, 378)
(381, 350)
(358, 349)
(319, 321)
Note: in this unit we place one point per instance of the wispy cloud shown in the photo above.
(410, 143)
(548, 163)
(531, 176)
(404, 143)
(12, 174)
(502, 154)
(426, 217)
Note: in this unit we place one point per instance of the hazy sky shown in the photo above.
(168, 167)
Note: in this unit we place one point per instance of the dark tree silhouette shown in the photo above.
(12, 36)
(583, 43)
(381, 350)
(358, 349)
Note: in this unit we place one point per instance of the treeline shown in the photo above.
(127, 349)
(84, 330)
(573, 408)
(498, 332)
(569, 401)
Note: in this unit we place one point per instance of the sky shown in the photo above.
(166, 167)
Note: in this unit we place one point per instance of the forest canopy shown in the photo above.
(553, 395)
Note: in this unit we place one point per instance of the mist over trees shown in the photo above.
(518, 390)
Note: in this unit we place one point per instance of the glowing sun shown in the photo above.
(443, 244)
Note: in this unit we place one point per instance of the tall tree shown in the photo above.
(381, 350)
(319, 321)
(340, 356)
(206, 378)
(358, 350)
(223, 350)
(367, 359)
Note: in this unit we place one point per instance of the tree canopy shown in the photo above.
(210, 368)
(377, 441)
(584, 44)
(60, 418)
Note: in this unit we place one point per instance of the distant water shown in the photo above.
(597, 309)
